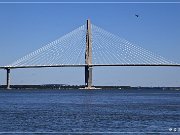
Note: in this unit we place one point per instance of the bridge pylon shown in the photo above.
(88, 57)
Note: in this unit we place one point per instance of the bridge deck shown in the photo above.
(93, 65)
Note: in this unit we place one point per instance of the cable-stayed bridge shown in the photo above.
(88, 46)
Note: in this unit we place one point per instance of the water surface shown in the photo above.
(89, 110)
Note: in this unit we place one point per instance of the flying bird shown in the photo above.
(136, 15)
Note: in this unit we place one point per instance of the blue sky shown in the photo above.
(27, 27)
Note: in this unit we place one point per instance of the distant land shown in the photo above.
(65, 86)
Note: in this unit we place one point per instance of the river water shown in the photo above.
(89, 111)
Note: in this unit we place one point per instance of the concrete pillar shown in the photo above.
(8, 78)
(88, 76)
(88, 57)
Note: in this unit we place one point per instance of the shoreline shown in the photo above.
(82, 87)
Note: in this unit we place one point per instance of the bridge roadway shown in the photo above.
(92, 65)
(8, 68)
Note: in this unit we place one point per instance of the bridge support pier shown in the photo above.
(8, 78)
(88, 76)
